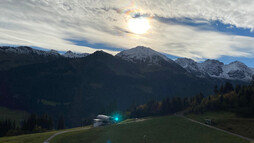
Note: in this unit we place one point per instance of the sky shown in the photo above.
(196, 29)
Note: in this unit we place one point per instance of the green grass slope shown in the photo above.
(228, 121)
(169, 129)
(29, 138)
(37, 137)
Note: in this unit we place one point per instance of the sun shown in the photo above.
(139, 25)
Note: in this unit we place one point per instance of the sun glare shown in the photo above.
(138, 25)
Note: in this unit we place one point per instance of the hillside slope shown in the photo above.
(155, 130)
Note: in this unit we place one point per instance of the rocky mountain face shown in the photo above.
(216, 69)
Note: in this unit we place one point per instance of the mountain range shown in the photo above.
(216, 69)
(82, 85)
(209, 68)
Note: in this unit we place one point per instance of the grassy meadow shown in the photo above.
(169, 129)
(29, 138)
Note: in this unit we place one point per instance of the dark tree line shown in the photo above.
(166, 106)
(34, 124)
(6, 126)
(238, 99)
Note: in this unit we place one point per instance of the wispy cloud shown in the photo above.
(54, 24)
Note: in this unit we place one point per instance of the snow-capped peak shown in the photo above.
(211, 67)
(214, 68)
(238, 70)
(142, 54)
(70, 54)
(238, 66)
(53, 52)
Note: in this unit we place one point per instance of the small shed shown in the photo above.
(97, 122)
(208, 121)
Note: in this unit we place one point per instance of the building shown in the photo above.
(102, 120)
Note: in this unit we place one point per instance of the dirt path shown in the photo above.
(63, 132)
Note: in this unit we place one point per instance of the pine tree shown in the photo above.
(237, 89)
(228, 87)
(61, 124)
(215, 90)
(165, 107)
(221, 89)
(32, 122)
(45, 122)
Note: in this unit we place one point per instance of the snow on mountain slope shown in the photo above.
(189, 64)
(70, 54)
(53, 52)
(209, 68)
(237, 70)
(214, 68)
(142, 54)
(28, 50)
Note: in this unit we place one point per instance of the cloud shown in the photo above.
(234, 12)
(52, 24)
